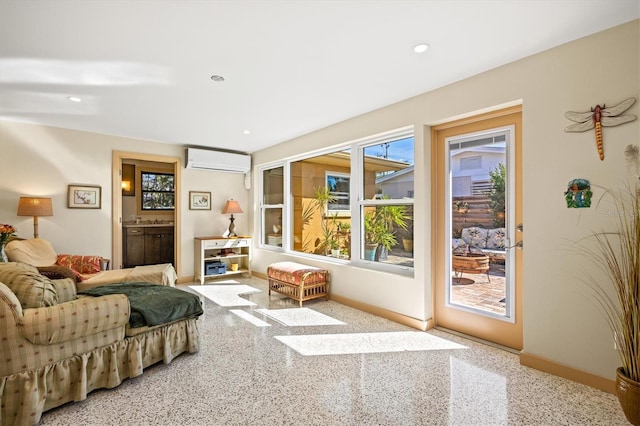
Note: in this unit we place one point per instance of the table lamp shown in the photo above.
(35, 206)
(232, 207)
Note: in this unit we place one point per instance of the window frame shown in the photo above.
(362, 202)
(143, 191)
(265, 207)
(338, 212)
(357, 201)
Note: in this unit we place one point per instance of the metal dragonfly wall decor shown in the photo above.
(600, 116)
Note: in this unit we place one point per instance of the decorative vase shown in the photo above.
(3, 255)
(628, 392)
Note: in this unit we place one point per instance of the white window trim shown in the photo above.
(357, 202)
(263, 207)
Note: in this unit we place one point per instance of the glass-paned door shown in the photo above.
(479, 229)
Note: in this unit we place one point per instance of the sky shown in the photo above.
(400, 150)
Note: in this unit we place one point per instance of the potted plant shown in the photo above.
(617, 253)
(379, 229)
(335, 247)
(461, 206)
(332, 230)
(407, 239)
(370, 236)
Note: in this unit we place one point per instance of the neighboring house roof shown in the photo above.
(343, 159)
(394, 175)
(481, 150)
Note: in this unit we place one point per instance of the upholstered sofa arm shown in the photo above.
(75, 319)
(13, 307)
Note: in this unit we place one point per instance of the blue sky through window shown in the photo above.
(400, 150)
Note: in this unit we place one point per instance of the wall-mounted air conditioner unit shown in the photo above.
(217, 160)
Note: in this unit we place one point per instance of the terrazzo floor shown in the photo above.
(245, 374)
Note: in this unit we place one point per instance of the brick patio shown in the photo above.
(474, 291)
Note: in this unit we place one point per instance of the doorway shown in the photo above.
(478, 226)
(118, 159)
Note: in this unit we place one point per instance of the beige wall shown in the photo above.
(561, 321)
(39, 160)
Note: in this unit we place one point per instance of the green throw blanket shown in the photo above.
(152, 304)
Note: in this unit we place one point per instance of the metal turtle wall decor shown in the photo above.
(600, 116)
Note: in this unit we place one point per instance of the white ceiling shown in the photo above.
(143, 68)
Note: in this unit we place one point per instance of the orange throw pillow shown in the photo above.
(80, 264)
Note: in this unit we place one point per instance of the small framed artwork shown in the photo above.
(85, 197)
(199, 200)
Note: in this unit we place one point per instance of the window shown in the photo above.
(338, 185)
(271, 205)
(344, 201)
(320, 194)
(386, 205)
(157, 191)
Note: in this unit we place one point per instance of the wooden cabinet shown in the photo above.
(147, 245)
(158, 245)
(133, 247)
(234, 253)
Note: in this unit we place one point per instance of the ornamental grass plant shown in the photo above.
(617, 254)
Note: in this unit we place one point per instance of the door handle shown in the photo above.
(518, 245)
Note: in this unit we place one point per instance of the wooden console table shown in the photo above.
(229, 251)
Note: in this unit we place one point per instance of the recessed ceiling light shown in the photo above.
(74, 99)
(421, 47)
(246, 132)
(217, 78)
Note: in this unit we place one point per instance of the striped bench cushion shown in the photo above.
(296, 273)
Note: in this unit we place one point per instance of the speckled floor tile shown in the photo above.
(299, 317)
(226, 295)
(366, 343)
(244, 376)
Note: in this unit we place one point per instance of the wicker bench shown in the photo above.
(297, 281)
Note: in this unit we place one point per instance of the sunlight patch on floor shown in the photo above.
(357, 343)
(226, 295)
(298, 317)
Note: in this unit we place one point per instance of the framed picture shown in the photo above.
(199, 200)
(84, 197)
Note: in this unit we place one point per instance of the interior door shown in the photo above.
(478, 226)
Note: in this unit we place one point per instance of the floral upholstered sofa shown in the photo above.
(490, 241)
(57, 346)
(89, 271)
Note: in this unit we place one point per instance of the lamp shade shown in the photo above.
(231, 206)
(35, 206)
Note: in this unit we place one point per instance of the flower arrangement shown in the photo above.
(6, 232)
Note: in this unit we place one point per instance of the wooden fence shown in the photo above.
(478, 213)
